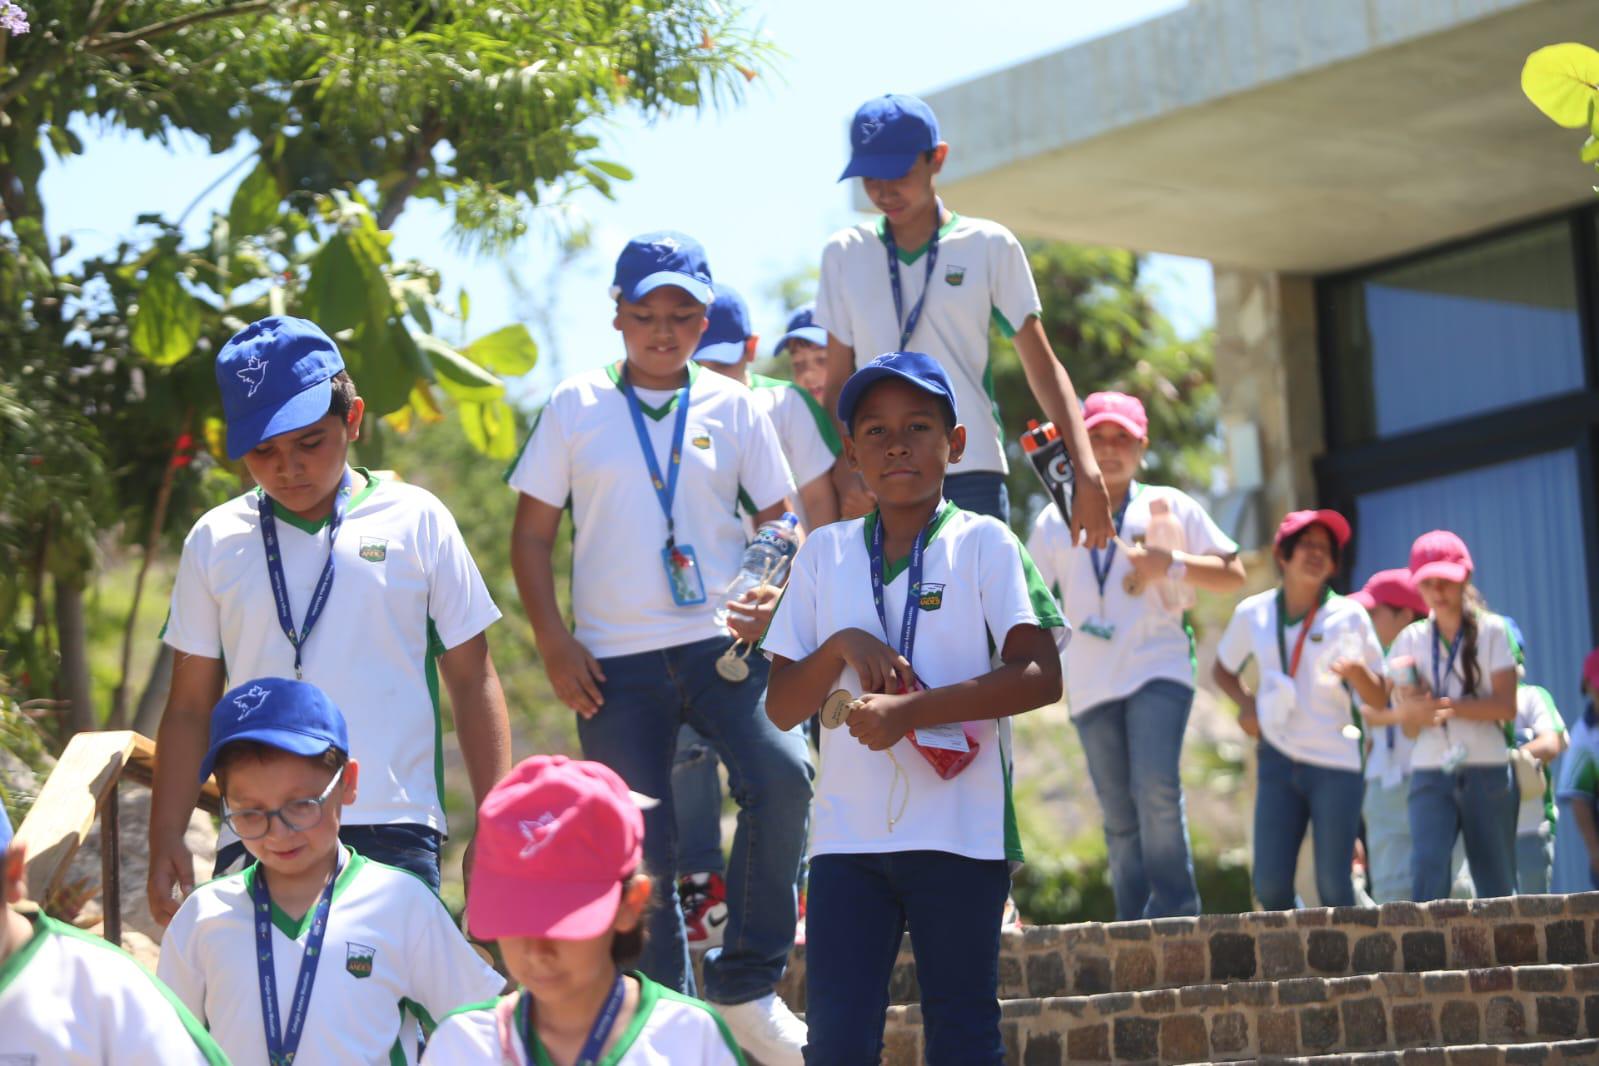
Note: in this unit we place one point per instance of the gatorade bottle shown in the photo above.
(1165, 531)
(766, 559)
(1046, 451)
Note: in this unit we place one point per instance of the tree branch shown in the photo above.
(114, 41)
(421, 156)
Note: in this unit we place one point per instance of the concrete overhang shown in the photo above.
(1295, 135)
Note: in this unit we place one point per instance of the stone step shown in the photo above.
(1298, 1016)
(1561, 1052)
(1090, 959)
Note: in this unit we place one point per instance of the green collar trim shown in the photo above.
(294, 928)
(43, 928)
(305, 525)
(893, 569)
(648, 995)
(614, 372)
(908, 257)
(824, 424)
(1282, 605)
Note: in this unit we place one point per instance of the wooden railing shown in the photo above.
(81, 787)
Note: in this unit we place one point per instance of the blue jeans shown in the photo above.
(1535, 857)
(980, 492)
(647, 697)
(1289, 795)
(1387, 812)
(412, 848)
(860, 907)
(1133, 747)
(1476, 803)
(697, 795)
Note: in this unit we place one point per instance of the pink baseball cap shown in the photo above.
(1590, 669)
(555, 840)
(1440, 554)
(1118, 408)
(1391, 588)
(1294, 521)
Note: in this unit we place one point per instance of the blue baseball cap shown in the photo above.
(275, 375)
(887, 134)
(801, 327)
(920, 370)
(292, 716)
(727, 331)
(5, 831)
(652, 260)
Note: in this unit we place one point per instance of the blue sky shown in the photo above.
(755, 182)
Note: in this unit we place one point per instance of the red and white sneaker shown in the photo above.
(704, 898)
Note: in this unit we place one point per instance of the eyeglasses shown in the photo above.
(296, 817)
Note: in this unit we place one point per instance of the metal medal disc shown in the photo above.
(836, 708)
(731, 667)
(1132, 584)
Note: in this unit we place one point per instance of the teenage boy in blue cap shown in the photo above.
(652, 455)
(256, 596)
(900, 610)
(806, 345)
(923, 274)
(345, 946)
(67, 996)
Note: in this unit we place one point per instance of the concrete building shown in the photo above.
(1406, 259)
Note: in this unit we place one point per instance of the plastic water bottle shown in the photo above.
(766, 559)
(1165, 531)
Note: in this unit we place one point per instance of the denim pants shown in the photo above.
(1387, 812)
(980, 492)
(860, 907)
(412, 848)
(1476, 803)
(648, 696)
(697, 796)
(1289, 795)
(1535, 857)
(1133, 747)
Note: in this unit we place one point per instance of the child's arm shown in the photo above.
(1052, 387)
(1371, 689)
(1232, 686)
(1028, 677)
(574, 673)
(1499, 707)
(819, 497)
(197, 682)
(796, 689)
(854, 498)
(481, 725)
(1374, 716)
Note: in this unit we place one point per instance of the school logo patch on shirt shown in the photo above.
(358, 958)
(374, 549)
(701, 439)
(954, 275)
(931, 597)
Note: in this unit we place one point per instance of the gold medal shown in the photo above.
(836, 708)
(731, 666)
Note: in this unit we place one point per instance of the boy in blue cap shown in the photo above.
(345, 946)
(806, 345)
(895, 614)
(947, 277)
(256, 596)
(653, 455)
(54, 978)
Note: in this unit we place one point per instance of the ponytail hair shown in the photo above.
(1473, 609)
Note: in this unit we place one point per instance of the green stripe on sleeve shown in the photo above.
(534, 428)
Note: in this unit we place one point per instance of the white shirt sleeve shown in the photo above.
(458, 599)
(1047, 546)
(1236, 644)
(1408, 643)
(449, 973)
(1014, 294)
(832, 302)
(1493, 653)
(176, 968)
(792, 632)
(762, 470)
(1534, 713)
(809, 457)
(544, 469)
(1203, 535)
(1014, 593)
(194, 619)
(1372, 648)
(469, 1037)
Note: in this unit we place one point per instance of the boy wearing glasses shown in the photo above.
(344, 946)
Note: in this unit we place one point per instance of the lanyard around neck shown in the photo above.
(907, 326)
(280, 582)
(665, 488)
(1438, 678)
(283, 1041)
(913, 586)
(599, 1032)
(1291, 666)
(1102, 575)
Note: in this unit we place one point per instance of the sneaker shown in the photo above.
(704, 899)
(766, 1029)
(799, 925)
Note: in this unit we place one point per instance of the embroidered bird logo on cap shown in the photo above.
(253, 373)
(870, 128)
(250, 701)
(535, 833)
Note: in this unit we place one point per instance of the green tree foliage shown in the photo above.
(1100, 317)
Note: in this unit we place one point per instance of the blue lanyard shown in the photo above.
(604, 1022)
(283, 1043)
(665, 488)
(913, 587)
(280, 583)
(907, 326)
(1102, 576)
(1437, 678)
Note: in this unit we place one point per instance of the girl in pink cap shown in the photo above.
(557, 880)
(1578, 790)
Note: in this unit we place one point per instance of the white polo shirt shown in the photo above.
(1484, 741)
(978, 583)
(390, 949)
(1322, 705)
(405, 589)
(583, 452)
(1536, 716)
(981, 277)
(810, 444)
(1148, 643)
(68, 998)
(667, 1029)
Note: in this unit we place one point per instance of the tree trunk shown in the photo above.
(147, 715)
(73, 634)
